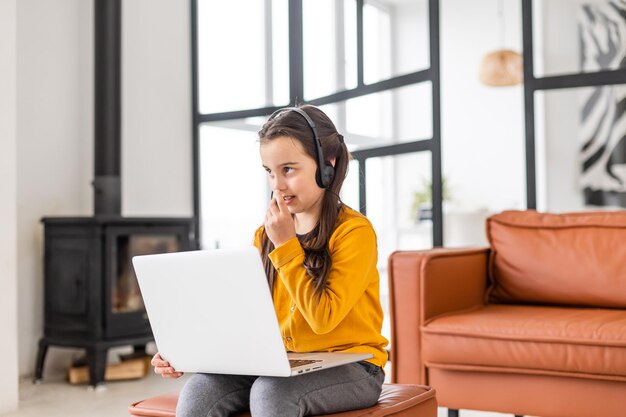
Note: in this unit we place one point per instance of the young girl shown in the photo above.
(320, 259)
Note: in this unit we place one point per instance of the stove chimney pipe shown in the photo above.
(107, 108)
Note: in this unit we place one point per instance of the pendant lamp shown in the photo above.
(502, 67)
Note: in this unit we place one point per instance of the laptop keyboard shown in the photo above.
(299, 362)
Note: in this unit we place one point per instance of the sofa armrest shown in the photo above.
(423, 285)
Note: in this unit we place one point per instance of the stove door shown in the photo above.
(124, 309)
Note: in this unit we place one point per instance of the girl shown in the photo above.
(320, 259)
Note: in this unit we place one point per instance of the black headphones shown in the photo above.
(325, 171)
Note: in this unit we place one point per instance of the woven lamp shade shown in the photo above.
(501, 68)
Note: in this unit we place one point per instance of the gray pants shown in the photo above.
(347, 387)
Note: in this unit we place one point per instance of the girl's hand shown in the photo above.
(163, 367)
(279, 224)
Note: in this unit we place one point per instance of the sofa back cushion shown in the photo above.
(571, 259)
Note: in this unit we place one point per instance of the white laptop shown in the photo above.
(211, 311)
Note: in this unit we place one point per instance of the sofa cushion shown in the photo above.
(570, 259)
(395, 399)
(584, 342)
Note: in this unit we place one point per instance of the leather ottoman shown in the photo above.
(396, 399)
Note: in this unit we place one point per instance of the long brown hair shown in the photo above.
(317, 260)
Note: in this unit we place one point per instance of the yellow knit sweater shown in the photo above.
(348, 317)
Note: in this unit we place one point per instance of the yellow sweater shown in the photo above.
(349, 316)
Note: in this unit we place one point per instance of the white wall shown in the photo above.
(8, 206)
(55, 128)
(54, 163)
(156, 123)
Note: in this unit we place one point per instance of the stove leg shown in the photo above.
(41, 358)
(97, 361)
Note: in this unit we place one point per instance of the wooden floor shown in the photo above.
(57, 398)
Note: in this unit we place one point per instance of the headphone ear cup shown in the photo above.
(328, 174)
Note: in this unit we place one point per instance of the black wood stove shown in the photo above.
(91, 295)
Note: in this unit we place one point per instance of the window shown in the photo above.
(371, 70)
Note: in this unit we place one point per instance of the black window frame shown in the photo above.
(296, 89)
(547, 83)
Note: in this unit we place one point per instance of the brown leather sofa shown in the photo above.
(533, 325)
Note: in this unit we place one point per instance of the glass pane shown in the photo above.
(581, 148)
(234, 192)
(329, 53)
(350, 191)
(393, 116)
(395, 38)
(573, 36)
(280, 52)
(242, 57)
(394, 195)
(125, 294)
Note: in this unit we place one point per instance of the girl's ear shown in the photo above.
(332, 161)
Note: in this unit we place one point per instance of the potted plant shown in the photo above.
(422, 206)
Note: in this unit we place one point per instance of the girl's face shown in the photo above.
(291, 174)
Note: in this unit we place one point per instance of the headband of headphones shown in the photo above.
(325, 171)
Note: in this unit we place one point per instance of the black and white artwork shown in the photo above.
(603, 112)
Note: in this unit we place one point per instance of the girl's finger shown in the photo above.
(157, 360)
(280, 203)
(273, 209)
(160, 363)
